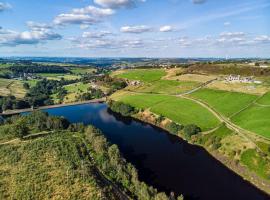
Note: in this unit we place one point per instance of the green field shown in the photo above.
(256, 119)
(167, 87)
(145, 75)
(265, 100)
(182, 111)
(55, 76)
(227, 103)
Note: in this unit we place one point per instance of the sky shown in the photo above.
(135, 28)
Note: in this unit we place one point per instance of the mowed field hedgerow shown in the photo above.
(227, 103)
(180, 110)
(256, 119)
(265, 100)
(145, 75)
(167, 87)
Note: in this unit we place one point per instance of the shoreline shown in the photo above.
(19, 111)
(240, 170)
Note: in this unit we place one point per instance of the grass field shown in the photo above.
(227, 103)
(78, 70)
(167, 87)
(179, 110)
(11, 87)
(145, 75)
(265, 100)
(74, 90)
(256, 119)
(52, 76)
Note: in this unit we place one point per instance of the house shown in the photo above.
(239, 79)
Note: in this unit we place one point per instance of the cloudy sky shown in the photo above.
(135, 28)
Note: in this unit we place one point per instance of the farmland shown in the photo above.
(180, 110)
(224, 102)
(255, 118)
(11, 87)
(143, 75)
(240, 105)
(265, 100)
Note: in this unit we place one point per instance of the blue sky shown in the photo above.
(135, 28)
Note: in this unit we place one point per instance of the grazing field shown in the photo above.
(167, 87)
(265, 100)
(53, 76)
(145, 75)
(248, 88)
(78, 70)
(256, 119)
(74, 90)
(182, 111)
(227, 103)
(186, 112)
(11, 87)
(143, 101)
(193, 77)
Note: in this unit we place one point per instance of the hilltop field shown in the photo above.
(234, 119)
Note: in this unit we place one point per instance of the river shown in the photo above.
(164, 161)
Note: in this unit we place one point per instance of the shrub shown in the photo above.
(191, 130)
(174, 127)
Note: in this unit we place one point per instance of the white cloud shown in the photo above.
(262, 38)
(34, 36)
(117, 3)
(4, 6)
(166, 29)
(136, 29)
(87, 16)
(232, 34)
(96, 35)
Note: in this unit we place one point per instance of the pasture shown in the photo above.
(265, 100)
(180, 110)
(145, 75)
(226, 103)
(167, 87)
(256, 119)
(11, 87)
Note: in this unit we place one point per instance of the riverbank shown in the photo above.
(233, 165)
(13, 112)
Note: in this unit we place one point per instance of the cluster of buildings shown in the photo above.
(240, 79)
(25, 76)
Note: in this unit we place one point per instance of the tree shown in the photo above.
(20, 129)
(26, 86)
(191, 130)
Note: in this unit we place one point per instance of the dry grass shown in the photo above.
(239, 87)
(193, 77)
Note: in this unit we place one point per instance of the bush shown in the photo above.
(122, 108)
(191, 130)
(174, 128)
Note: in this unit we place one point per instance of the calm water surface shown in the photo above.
(164, 161)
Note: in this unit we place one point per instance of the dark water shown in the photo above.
(164, 161)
